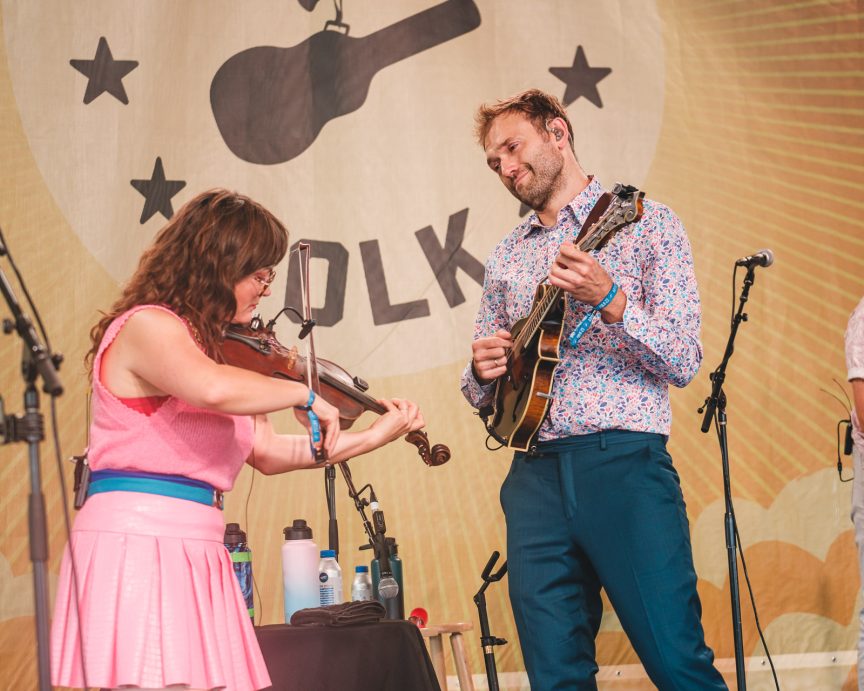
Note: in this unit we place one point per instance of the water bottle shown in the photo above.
(241, 558)
(330, 578)
(395, 606)
(299, 569)
(361, 589)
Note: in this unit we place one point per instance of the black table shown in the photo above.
(384, 656)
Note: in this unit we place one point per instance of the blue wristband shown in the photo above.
(314, 422)
(314, 427)
(309, 402)
(580, 330)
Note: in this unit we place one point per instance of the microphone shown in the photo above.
(388, 588)
(760, 258)
(307, 326)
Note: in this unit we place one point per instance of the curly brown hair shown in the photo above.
(213, 241)
(538, 106)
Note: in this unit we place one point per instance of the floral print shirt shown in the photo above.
(617, 376)
(855, 361)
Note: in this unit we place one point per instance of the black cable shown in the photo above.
(747, 576)
(306, 325)
(847, 407)
(4, 249)
(734, 279)
(500, 446)
(840, 462)
(753, 603)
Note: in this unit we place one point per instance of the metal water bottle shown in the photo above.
(241, 558)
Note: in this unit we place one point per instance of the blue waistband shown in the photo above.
(176, 486)
(593, 440)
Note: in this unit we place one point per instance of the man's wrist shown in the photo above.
(614, 311)
(477, 377)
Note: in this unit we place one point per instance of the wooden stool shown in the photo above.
(436, 652)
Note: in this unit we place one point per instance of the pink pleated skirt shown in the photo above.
(158, 605)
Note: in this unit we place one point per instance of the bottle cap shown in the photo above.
(233, 534)
(361, 569)
(298, 531)
(419, 617)
(328, 553)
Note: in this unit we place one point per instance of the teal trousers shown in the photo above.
(603, 510)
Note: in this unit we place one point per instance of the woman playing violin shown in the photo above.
(158, 604)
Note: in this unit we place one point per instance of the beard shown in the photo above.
(544, 179)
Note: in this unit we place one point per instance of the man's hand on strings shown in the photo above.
(579, 274)
(489, 359)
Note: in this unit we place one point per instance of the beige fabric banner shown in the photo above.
(746, 118)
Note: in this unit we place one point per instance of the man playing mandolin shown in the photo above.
(158, 604)
(593, 501)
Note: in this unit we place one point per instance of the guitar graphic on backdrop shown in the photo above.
(270, 103)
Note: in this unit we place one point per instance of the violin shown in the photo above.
(255, 347)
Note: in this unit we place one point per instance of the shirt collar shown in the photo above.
(578, 208)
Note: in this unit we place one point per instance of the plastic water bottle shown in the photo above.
(361, 589)
(330, 578)
(299, 569)
(241, 558)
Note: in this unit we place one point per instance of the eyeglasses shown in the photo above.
(265, 280)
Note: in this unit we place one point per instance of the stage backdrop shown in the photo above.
(744, 117)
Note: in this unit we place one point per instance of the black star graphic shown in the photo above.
(581, 80)
(158, 192)
(104, 73)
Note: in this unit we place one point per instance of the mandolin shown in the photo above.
(523, 393)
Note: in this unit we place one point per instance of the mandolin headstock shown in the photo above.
(625, 207)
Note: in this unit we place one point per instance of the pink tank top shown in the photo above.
(176, 438)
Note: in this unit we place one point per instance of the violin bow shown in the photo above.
(304, 250)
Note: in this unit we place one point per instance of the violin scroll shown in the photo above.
(437, 455)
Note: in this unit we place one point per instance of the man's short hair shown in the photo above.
(538, 106)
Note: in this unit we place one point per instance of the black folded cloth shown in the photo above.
(344, 614)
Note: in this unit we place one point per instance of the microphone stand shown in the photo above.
(36, 361)
(375, 531)
(332, 524)
(487, 640)
(715, 409)
(359, 502)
